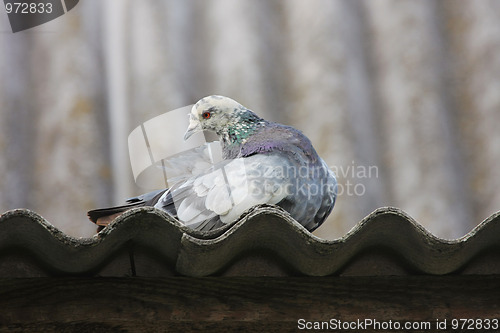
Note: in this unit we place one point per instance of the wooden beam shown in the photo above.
(225, 304)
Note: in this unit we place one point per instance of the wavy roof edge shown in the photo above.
(387, 241)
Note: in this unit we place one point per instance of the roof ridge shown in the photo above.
(265, 227)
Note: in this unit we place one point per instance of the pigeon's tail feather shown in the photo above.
(97, 215)
(103, 216)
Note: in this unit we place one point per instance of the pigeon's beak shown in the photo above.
(194, 127)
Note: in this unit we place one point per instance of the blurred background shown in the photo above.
(400, 97)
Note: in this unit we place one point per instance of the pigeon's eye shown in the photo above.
(206, 115)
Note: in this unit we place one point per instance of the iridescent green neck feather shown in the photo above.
(241, 125)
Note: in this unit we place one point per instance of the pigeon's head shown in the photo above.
(217, 114)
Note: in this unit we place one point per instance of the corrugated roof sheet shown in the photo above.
(266, 241)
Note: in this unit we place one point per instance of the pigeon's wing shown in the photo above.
(178, 168)
(312, 185)
(227, 191)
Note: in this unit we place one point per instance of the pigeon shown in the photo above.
(262, 162)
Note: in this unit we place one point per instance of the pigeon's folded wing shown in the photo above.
(229, 189)
(178, 168)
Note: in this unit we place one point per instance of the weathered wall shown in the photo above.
(409, 86)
